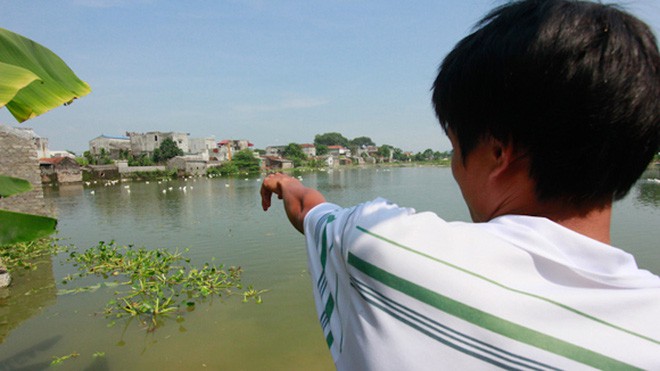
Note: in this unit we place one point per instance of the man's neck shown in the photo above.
(594, 224)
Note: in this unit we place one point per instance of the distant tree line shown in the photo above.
(322, 141)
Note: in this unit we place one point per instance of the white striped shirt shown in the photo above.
(399, 290)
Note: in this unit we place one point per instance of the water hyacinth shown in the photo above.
(157, 282)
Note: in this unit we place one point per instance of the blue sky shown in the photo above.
(273, 72)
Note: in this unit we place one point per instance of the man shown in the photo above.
(552, 110)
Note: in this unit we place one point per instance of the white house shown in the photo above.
(147, 142)
(202, 147)
(112, 145)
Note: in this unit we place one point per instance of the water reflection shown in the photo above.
(30, 292)
(21, 360)
(648, 193)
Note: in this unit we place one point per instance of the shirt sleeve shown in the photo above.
(328, 232)
(327, 267)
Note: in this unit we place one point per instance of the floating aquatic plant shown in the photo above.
(25, 255)
(155, 282)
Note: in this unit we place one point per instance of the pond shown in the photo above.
(220, 220)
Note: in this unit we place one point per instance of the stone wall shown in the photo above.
(19, 159)
(135, 169)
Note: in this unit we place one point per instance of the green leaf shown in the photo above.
(38, 79)
(19, 227)
(10, 186)
(13, 80)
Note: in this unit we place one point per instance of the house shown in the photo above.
(328, 160)
(338, 151)
(188, 165)
(227, 147)
(275, 151)
(112, 145)
(202, 147)
(274, 162)
(145, 143)
(40, 143)
(60, 170)
(309, 149)
(61, 154)
(19, 159)
(371, 151)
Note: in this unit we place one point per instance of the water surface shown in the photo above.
(221, 220)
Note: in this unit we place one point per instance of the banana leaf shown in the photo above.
(33, 79)
(19, 227)
(13, 80)
(10, 186)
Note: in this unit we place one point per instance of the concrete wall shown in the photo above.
(147, 142)
(201, 145)
(19, 159)
(113, 146)
(135, 169)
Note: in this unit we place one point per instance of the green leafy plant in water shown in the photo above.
(24, 255)
(58, 360)
(158, 282)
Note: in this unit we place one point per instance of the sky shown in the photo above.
(272, 72)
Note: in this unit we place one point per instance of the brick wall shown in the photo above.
(18, 158)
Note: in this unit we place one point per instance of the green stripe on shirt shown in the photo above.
(486, 320)
(564, 306)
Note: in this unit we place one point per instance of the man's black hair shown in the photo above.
(573, 85)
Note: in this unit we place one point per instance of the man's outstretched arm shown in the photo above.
(298, 199)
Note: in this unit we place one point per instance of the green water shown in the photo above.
(221, 219)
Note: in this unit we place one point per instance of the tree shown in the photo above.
(33, 80)
(321, 149)
(244, 160)
(167, 150)
(140, 160)
(362, 141)
(294, 153)
(331, 139)
(428, 154)
(384, 151)
(397, 154)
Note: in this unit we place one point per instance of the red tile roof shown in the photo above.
(52, 160)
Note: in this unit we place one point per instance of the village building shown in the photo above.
(227, 147)
(308, 149)
(276, 163)
(19, 159)
(275, 151)
(146, 143)
(202, 147)
(40, 143)
(61, 154)
(328, 160)
(60, 170)
(338, 151)
(113, 146)
(188, 165)
(371, 151)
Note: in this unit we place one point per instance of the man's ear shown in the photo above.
(503, 157)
